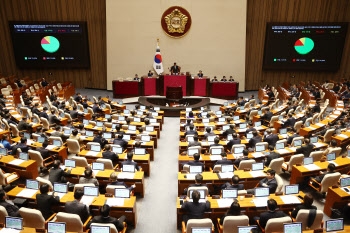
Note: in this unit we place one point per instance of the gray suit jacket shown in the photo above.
(75, 207)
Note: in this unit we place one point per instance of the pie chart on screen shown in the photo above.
(304, 45)
(50, 44)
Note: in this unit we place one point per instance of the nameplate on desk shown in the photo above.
(311, 128)
(190, 176)
(260, 201)
(342, 136)
(222, 203)
(320, 124)
(333, 163)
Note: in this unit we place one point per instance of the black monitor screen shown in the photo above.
(50, 44)
(304, 46)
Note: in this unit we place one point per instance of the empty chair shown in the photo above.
(252, 114)
(45, 122)
(303, 216)
(273, 120)
(246, 164)
(73, 221)
(328, 135)
(3, 214)
(314, 118)
(32, 218)
(276, 165)
(336, 150)
(73, 146)
(316, 155)
(59, 85)
(276, 224)
(294, 159)
(206, 222)
(40, 162)
(279, 183)
(80, 161)
(231, 223)
(7, 178)
(67, 115)
(298, 125)
(36, 86)
(35, 116)
(14, 129)
(5, 91)
(107, 162)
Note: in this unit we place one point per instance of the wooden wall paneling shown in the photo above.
(260, 12)
(92, 11)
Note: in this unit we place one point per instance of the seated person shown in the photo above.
(56, 174)
(195, 142)
(21, 145)
(332, 145)
(255, 139)
(269, 181)
(289, 123)
(120, 141)
(229, 131)
(294, 135)
(99, 139)
(149, 74)
(200, 74)
(235, 184)
(114, 178)
(330, 170)
(45, 201)
(75, 136)
(270, 138)
(250, 128)
(308, 200)
(195, 209)
(273, 155)
(223, 160)
(105, 218)
(196, 161)
(12, 210)
(5, 142)
(245, 157)
(267, 115)
(138, 145)
(44, 153)
(241, 101)
(216, 142)
(215, 79)
(231, 79)
(223, 79)
(108, 154)
(234, 141)
(234, 210)
(129, 161)
(198, 179)
(208, 133)
(305, 149)
(81, 129)
(118, 130)
(89, 177)
(271, 213)
(75, 207)
(191, 131)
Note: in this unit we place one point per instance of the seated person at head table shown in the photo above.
(229, 131)
(175, 69)
(45, 201)
(150, 74)
(305, 149)
(270, 138)
(234, 210)
(231, 79)
(273, 155)
(120, 141)
(108, 154)
(239, 160)
(118, 130)
(330, 170)
(255, 139)
(234, 141)
(75, 136)
(215, 79)
(307, 205)
(20, 145)
(129, 161)
(198, 179)
(208, 133)
(105, 218)
(136, 78)
(200, 74)
(269, 181)
(57, 175)
(235, 184)
(289, 122)
(75, 207)
(196, 161)
(12, 210)
(223, 160)
(294, 135)
(271, 213)
(216, 142)
(44, 152)
(195, 142)
(223, 79)
(114, 181)
(99, 139)
(195, 209)
(89, 177)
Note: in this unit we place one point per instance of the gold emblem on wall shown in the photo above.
(176, 21)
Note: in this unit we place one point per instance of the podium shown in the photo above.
(183, 81)
(200, 86)
(174, 93)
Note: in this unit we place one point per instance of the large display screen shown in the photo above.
(50, 44)
(304, 46)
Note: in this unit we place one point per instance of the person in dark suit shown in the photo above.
(75, 207)
(234, 141)
(74, 113)
(270, 138)
(223, 160)
(118, 130)
(136, 78)
(271, 213)
(317, 93)
(235, 210)
(231, 79)
(114, 178)
(316, 108)
(56, 174)
(195, 209)
(208, 133)
(108, 154)
(305, 149)
(289, 122)
(8, 119)
(96, 108)
(294, 135)
(229, 131)
(200, 74)
(44, 114)
(255, 139)
(175, 69)
(150, 74)
(129, 161)
(44, 153)
(241, 101)
(105, 218)
(138, 145)
(223, 79)
(120, 141)
(35, 109)
(195, 142)
(307, 205)
(196, 161)
(45, 201)
(99, 139)
(198, 179)
(273, 155)
(23, 125)
(269, 181)
(216, 142)
(78, 98)
(191, 131)
(267, 115)
(330, 170)
(215, 79)
(44, 83)
(250, 128)
(85, 104)
(58, 133)
(53, 119)
(235, 184)
(12, 210)
(245, 157)
(22, 145)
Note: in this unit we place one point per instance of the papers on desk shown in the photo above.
(221, 123)
(95, 172)
(87, 200)
(50, 147)
(320, 124)
(283, 151)
(337, 112)
(28, 193)
(333, 163)
(259, 128)
(16, 161)
(260, 201)
(342, 136)
(238, 155)
(241, 130)
(215, 157)
(205, 143)
(312, 167)
(11, 111)
(17, 116)
(9, 230)
(237, 122)
(317, 144)
(95, 127)
(92, 153)
(257, 173)
(155, 124)
(188, 176)
(300, 115)
(115, 201)
(60, 195)
(292, 148)
(333, 116)
(29, 142)
(126, 175)
(225, 175)
(83, 137)
(131, 131)
(311, 128)
(206, 124)
(258, 154)
(290, 199)
(224, 202)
